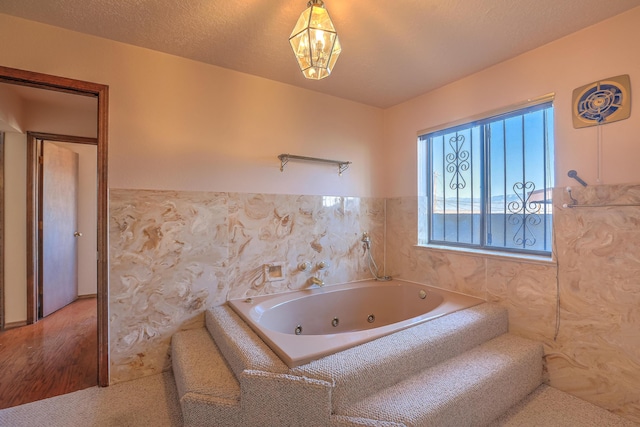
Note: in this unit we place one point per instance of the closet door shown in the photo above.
(59, 278)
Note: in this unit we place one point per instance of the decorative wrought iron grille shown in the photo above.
(524, 214)
(457, 162)
(489, 182)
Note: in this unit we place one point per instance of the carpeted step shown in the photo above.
(471, 389)
(243, 349)
(207, 388)
(364, 370)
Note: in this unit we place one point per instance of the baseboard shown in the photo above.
(12, 325)
(87, 296)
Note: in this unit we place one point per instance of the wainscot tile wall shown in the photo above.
(592, 338)
(173, 254)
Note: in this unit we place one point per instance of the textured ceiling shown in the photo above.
(392, 50)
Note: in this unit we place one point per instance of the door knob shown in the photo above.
(77, 234)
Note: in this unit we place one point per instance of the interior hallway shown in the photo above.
(54, 356)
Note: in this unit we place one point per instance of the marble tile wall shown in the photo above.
(594, 351)
(173, 254)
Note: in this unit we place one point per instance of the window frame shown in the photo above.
(425, 176)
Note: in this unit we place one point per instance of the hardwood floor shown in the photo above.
(57, 355)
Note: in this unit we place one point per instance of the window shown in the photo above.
(488, 182)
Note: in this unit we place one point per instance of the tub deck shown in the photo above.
(458, 367)
(305, 309)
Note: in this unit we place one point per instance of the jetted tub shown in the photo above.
(306, 325)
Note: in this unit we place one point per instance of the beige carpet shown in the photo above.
(152, 401)
(550, 407)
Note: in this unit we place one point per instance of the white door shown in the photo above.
(59, 274)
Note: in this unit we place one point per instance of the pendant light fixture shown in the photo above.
(314, 41)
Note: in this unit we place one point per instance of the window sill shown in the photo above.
(503, 256)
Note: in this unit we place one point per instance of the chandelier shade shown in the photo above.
(315, 42)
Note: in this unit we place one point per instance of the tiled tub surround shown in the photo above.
(174, 254)
(596, 354)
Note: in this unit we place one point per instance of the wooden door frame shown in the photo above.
(101, 93)
(34, 213)
(2, 321)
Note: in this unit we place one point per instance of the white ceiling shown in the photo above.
(392, 50)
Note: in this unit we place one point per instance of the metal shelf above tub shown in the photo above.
(284, 159)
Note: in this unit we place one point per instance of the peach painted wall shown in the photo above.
(11, 110)
(183, 125)
(47, 118)
(15, 228)
(604, 50)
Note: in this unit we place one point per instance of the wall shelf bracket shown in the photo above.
(284, 159)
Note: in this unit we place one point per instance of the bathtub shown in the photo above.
(306, 325)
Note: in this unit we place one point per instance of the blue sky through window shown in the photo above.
(495, 176)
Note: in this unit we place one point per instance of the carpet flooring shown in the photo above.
(153, 401)
(150, 401)
(550, 407)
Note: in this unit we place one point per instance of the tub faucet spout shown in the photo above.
(316, 281)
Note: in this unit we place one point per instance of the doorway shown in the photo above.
(64, 173)
(100, 93)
